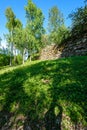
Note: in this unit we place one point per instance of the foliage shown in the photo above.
(4, 59)
(21, 40)
(18, 60)
(56, 27)
(79, 20)
(35, 28)
(44, 91)
(4, 51)
(55, 19)
(60, 35)
(12, 24)
(45, 40)
(11, 19)
(28, 38)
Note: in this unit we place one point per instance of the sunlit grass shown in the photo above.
(34, 88)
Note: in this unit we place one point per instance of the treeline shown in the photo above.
(27, 41)
(58, 32)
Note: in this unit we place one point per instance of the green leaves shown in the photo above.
(11, 19)
(35, 28)
(59, 35)
(56, 27)
(79, 19)
(55, 19)
(13, 25)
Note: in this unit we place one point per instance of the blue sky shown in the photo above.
(66, 7)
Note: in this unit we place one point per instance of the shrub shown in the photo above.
(17, 60)
(4, 59)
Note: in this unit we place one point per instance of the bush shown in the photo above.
(18, 60)
(79, 20)
(60, 35)
(4, 60)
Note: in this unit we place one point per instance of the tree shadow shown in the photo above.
(69, 91)
(53, 120)
(14, 95)
(37, 96)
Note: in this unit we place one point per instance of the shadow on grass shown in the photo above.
(39, 95)
(12, 91)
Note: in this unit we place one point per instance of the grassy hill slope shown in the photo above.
(44, 94)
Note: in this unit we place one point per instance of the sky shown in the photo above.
(66, 7)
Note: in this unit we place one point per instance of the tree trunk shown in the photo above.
(11, 53)
(14, 55)
(10, 60)
(30, 54)
(23, 55)
(30, 58)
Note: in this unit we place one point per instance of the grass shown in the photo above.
(44, 91)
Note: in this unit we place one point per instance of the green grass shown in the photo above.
(39, 88)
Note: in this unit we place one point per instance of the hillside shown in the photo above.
(44, 95)
(73, 46)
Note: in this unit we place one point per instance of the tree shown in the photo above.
(17, 37)
(55, 19)
(79, 20)
(35, 28)
(56, 27)
(60, 35)
(45, 40)
(12, 24)
(21, 37)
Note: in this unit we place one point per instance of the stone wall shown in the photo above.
(75, 46)
(49, 52)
